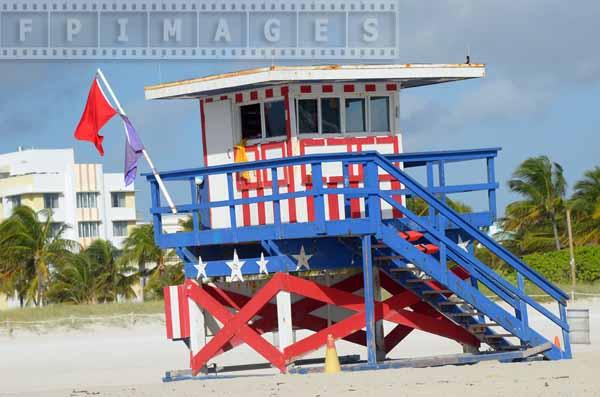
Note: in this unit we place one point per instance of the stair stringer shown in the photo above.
(432, 267)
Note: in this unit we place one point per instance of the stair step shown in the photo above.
(403, 269)
(419, 280)
(388, 258)
(452, 303)
(509, 348)
(464, 314)
(438, 292)
(472, 328)
(498, 336)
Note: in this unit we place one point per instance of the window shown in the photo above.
(274, 119)
(308, 116)
(88, 229)
(87, 200)
(355, 115)
(120, 229)
(118, 199)
(330, 116)
(50, 200)
(251, 121)
(380, 114)
(14, 201)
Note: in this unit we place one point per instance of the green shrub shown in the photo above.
(555, 265)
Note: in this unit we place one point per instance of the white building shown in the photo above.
(93, 204)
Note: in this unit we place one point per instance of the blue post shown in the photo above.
(369, 296)
(317, 189)
(157, 217)
(373, 202)
(491, 175)
(565, 332)
(232, 215)
(195, 201)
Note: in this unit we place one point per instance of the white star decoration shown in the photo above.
(463, 244)
(201, 267)
(262, 265)
(302, 259)
(236, 267)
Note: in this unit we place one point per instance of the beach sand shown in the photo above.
(130, 361)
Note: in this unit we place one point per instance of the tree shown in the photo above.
(420, 207)
(586, 208)
(76, 281)
(542, 185)
(139, 247)
(33, 246)
(115, 277)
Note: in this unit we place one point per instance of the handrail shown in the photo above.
(385, 163)
(412, 158)
(482, 238)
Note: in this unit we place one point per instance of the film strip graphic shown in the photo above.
(192, 29)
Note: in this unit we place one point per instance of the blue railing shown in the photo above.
(436, 225)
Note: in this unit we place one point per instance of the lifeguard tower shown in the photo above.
(305, 223)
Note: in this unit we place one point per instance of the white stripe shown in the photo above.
(175, 321)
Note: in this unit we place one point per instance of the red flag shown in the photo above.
(96, 114)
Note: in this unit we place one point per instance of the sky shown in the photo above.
(539, 97)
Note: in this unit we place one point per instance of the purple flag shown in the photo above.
(133, 151)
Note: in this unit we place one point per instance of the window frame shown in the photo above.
(81, 227)
(85, 198)
(123, 223)
(263, 125)
(112, 199)
(392, 103)
(51, 197)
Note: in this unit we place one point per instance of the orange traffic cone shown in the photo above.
(332, 362)
(557, 342)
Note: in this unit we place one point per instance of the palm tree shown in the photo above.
(34, 246)
(139, 247)
(76, 281)
(420, 207)
(586, 207)
(115, 277)
(542, 185)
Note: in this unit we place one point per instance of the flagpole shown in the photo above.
(159, 180)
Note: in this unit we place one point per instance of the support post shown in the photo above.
(572, 254)
(197, 327)
(565, 333)
(379, 332)
(284, 320)
(369, 300)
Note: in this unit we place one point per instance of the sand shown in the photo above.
(130, 361)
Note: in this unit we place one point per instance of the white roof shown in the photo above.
(408, 75)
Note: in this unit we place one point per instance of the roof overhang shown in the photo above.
(408, 75)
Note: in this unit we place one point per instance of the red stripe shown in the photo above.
(310, 204)
(254, 95)
(285, 91)
(168, 319)
(239, 98)
(370, 87)
(328, 88)
(305, 89)
(184, 313)
(334, 207)
(349, 88)
(223, 97)
(391, 87)
(260, 192)
(209, 100)
(269, 93)
(246, 208)
(354, 203)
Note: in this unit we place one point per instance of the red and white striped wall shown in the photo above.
(176, 313)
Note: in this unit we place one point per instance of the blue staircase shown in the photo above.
(450, 278)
